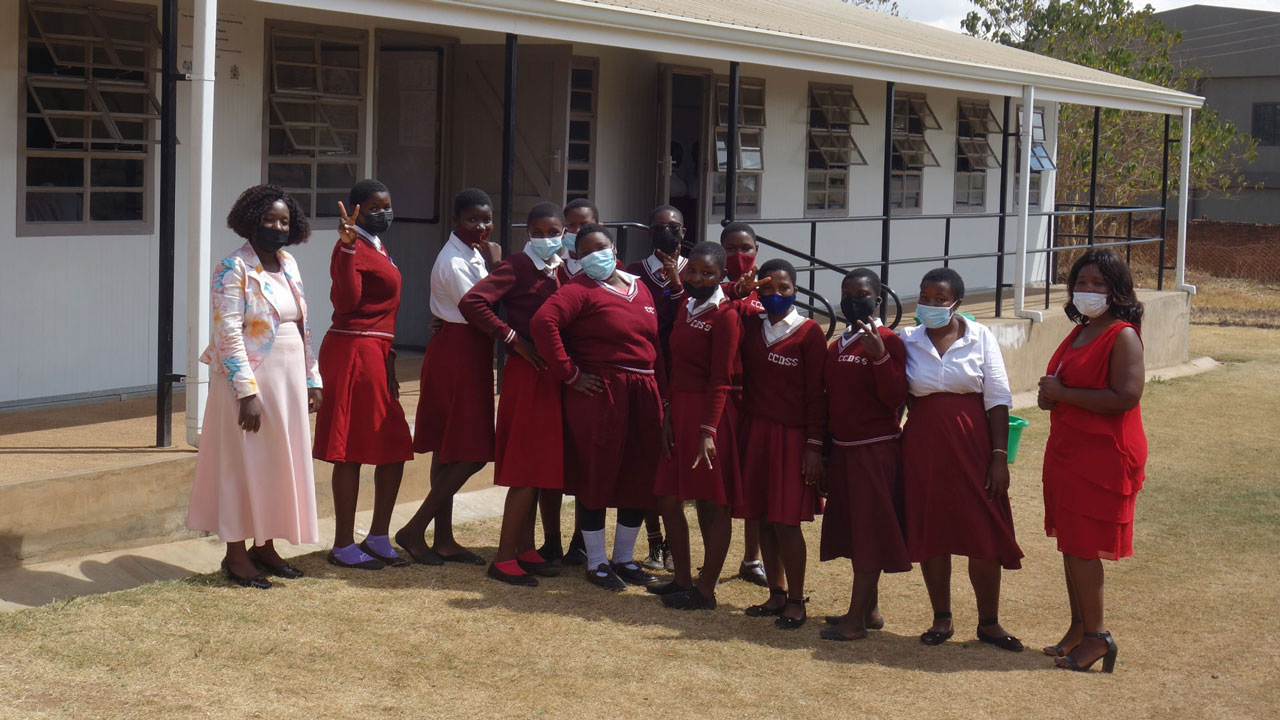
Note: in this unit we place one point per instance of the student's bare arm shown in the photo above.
(1124, 385)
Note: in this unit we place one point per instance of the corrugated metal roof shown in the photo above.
(832, 22)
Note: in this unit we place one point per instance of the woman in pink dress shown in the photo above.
(1096, 456)
(253, 475)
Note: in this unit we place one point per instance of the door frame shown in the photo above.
(662, 189)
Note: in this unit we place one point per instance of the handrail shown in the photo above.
(886, 292)
(949, 216)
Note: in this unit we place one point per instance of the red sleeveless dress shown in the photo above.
(1094, 464)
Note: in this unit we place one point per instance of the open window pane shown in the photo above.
(977, 119)
(914, 153)
(977, 153)
(1040, 159)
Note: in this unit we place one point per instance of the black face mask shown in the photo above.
(700, 293)
(377, 221)
(663, 239)
(858, 307)
(270, 240)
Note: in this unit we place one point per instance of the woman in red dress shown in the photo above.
(363, 422)
(1095, 459)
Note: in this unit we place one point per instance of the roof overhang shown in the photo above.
(611, 25)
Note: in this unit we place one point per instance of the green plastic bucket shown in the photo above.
(1016, 424)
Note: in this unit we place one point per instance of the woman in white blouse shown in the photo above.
(955, 458)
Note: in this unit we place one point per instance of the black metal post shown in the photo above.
(885, 205)
(1004, 206)
(508, 138)
(1164, 203)
(1051, 260)
(168, 214)
(731, 148)
(1093, 175)
(813, 250)
(946, 244)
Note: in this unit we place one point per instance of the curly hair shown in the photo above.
(1124, 301)
(247, 212)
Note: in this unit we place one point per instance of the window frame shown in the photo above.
(1041, 160)
(145, 16)
(273, 120)
(1256, 114)
(718, 177)
(835, 135)
(975, 123)
(592, 118)
(908, 141)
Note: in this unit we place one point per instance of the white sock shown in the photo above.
(624, 544)
(593, 542)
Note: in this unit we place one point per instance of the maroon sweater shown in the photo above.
(590, 326)
(704, 352)
(666, 302)
(520, 286)
(864, 394)
(366, 290)
(782, 382)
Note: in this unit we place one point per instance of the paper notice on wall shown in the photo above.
(417, 118)
(229, 51)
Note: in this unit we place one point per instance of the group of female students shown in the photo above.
(689, 377)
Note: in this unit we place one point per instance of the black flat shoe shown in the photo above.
(545, 568)
(753, 573)
(1108, 659)
(551, 555)
(575, 557)
(933, 637)
(632, 574)
(466, 557)
(525, 580)
(430, 557)
(396, 561)
(258, 582)
(604, 576)
(1008, 642)
(691, 599)
(664, 588)
(831, 633)
(785, 623)
(370, 564)
(763, 609)
(286, 571)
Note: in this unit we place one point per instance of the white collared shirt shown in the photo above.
(695, 308)
(372, 239)
(658, 272)
(773, 332)
(458, 268)
(846, 338)
(547, 266)
(973, 364)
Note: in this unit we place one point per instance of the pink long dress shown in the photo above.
(260, 485)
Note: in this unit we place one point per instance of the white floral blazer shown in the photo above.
(245, 318)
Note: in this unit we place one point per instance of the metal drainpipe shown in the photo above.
(200, 210)
(886, 180)
(1093, 175)
(168, 231)
(1004, 204)
(731, 148)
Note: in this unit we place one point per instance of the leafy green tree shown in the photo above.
(1114, 36)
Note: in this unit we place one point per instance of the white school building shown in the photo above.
(841, 113)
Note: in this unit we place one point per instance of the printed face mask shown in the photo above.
(600, 264)
(271, 240)
(859, 307)
(934, 316)
(545, 247)
(377, 221)
(1091, 305)
(739, 264)
(776, 304)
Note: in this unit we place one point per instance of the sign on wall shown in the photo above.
(232, 40)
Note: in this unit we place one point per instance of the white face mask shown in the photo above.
(1090, 304)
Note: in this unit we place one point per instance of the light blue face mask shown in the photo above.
(600, 264)
(545, 247)
(934, 316)
(571, 241)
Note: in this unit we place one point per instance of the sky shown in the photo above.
(948, 13)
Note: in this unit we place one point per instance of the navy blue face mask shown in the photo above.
(777, 304)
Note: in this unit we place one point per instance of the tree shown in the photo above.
(1116, 37)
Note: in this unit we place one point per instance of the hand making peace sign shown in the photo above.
(747, 284)
(347, 227)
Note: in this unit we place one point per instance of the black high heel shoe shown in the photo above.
(1008, 642)
(933, 637)
(1108, 659)
(1057, 650)
(785, 623)
(258, 582)
(763, 609)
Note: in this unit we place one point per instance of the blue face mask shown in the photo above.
(600, 264)
(776, 304)
(571, 241)
(934, 316)
(545, 247)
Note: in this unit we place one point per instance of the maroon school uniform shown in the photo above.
(614, 436)
(704, 351)
(783, 414)
(666, 302)
(529, 440)
(863, 519)
(359, 420)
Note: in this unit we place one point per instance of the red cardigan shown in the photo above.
(365, 291)
(783, 381)
(521, 288)
(864, 394)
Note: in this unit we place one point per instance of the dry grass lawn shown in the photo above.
(1194, 614)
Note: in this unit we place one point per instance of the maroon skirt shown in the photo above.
(530, 432)
(772, 486)
(614, 439)
(863, 518)
(946, 450)
(677, 476)
(359, 421)
(455, 409)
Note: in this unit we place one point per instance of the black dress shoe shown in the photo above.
(632, 574)
(753, 573)
(691, 599)
(1008, 642)
(430, 557)
(786, 623)
(544, 568)
(933, 637)
(396, 561)
(604, 576)
(664, 588)
(525, 580)
(370, 564)
(763, 609)
(574, 557)
(286, 571)
(258, 582)
(551, 554)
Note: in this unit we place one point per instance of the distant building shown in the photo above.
(1239, 54)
